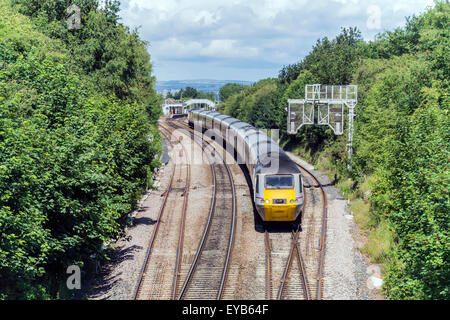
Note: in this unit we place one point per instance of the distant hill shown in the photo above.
(204, 85)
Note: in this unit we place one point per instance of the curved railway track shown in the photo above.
(145, 287)
(179, 253)
(294, 285)
(268, 265)
(323, 233)
(207, 275)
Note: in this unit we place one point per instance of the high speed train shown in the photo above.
(276, 180)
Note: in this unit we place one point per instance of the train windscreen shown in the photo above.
(280, 182)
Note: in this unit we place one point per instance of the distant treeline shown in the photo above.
(78, 140)
(399, 184)
(191, 93)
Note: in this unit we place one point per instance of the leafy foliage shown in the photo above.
(191, 93)
(332, 62)
(417, 183)
(75, 152)
(230, 89)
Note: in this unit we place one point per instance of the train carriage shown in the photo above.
(276, 180)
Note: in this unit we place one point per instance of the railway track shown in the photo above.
(179, 253)
(315, 251)
(207, 276)
(293, 276)
(149, 285)
(268, 266)
(293, 283)
(293, 280)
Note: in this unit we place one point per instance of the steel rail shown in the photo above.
(233, 226)
(179, 253)
(207, 228)
(288, 265)
(301, 264)
(233, 223)
(301, 268)
(268, 266)
(137, 288)
(323, 233)
(289, 262)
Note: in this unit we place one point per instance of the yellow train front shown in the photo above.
(276, 179)
(279, 191)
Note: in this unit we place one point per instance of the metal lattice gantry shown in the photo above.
(330, 101)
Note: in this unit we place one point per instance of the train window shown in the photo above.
(280, 182)
(257, 184)
(224, 129)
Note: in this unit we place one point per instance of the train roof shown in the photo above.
(275, 163)
(222, 117)
(212, 114)
(240, 125)
(230, 120)
(268, 157)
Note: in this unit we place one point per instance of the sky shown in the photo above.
(250, 39)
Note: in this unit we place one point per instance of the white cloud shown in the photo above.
(229, 49)
(260, 31)
(223, 48)
(206, 18)
(174, 48)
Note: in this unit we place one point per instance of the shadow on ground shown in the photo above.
(105, 280)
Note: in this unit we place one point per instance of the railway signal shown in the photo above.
(329, 101)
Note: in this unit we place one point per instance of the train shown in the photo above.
(277, 182)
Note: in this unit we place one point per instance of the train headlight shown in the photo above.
(292, 201)
(267, 201)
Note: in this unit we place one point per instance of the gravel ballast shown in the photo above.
(347, 270)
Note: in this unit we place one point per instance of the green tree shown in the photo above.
(400, 140)
(332, 62)
(229, 89)
(75, 152)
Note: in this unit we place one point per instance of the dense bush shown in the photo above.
(75, 152)
(230, 89)
(416, 184)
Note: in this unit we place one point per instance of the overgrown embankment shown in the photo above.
(400, 178)
(77, 139)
